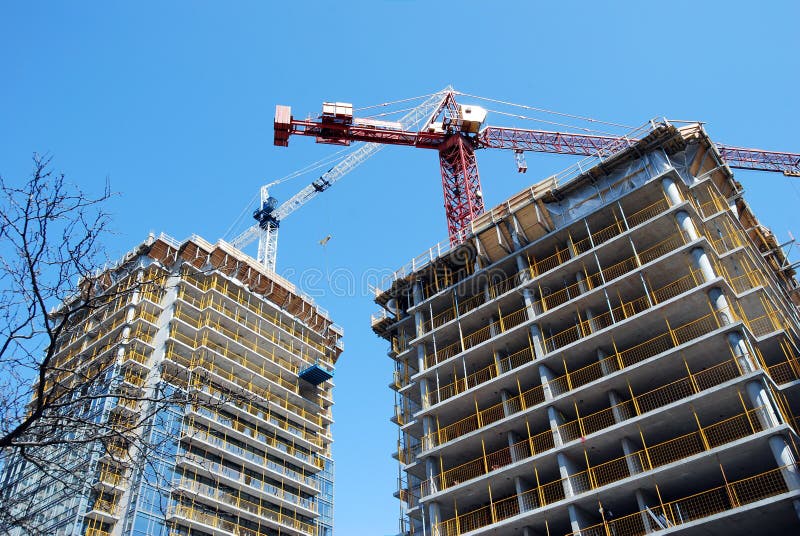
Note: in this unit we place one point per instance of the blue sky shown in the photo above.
(173, 102)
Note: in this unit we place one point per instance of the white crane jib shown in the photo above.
(269, 214)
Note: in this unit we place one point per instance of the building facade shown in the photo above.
(610, 352)
(226, 370)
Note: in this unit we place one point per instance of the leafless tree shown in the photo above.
(77, 427)
(51, 250)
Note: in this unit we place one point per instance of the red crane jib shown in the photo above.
(460, 179)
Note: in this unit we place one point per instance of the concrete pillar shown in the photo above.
(428, 432)
(605, 366)
(519, 487)
(615, 401)
(672, 191)
(759, 398)
(516, 454)
(504, 397)
(522, 267)
(720, 304)
(785, 459)
(536, 340)
(647, 519)
(578, 518)
(431, 472)
(633, 462)
(590, 321)
(434, 517)
(567, 468)
(741, 352)
(580, 277)
(687, 225)
(556, 420)
(702, 262)
(547, 377)
(423, 382)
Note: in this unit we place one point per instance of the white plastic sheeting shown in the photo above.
(589, 197)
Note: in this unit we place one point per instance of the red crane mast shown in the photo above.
(454, 130)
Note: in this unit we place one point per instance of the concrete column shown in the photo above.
(516, 243)
(759, 397)
(633, 462)
(536, 340)
(423, 382)
(432, 471)
(580, 277)
(605, 367)
(555, 418)
(720, 304)
(504, 397)
(741, 352)
(687, 225)
(434, 517)
(519, 487)
(428, 431)
(522, 266)
(567, 468)
(615, 401)
(702, 262)
(647, 519)
(590, 320)
(547, 376)
(785, 459)
(672, 191)
(513, 439)
(578, 518)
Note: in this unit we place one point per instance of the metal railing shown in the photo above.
(698, 506)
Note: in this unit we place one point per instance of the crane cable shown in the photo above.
(321, 163)
(545, 110)
(385, 104)
(555, 123)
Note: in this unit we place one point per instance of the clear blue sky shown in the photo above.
(173, 101)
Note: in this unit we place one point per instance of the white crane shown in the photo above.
(269, 215)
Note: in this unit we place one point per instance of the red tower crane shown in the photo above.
(454, 130)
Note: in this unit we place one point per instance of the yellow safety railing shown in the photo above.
(256, 432)
(144, 313)
(704, 504)
(204, 362)
(134, 378)
(537, 268)
(196, 431)
(732, 239)
(598, 237)
(243, 477)
(708, 203)
(572, 333)
(236, 335)
(583, 426)
(207, 518)
(606, 473)
(109, 476)
(97, 532)
(244, 403)
(237, 294)
(245, 361)
(505, 323)
(584, 375)
(238, 500)
(105, 504)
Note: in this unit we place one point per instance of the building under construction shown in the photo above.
(247, 452)
(609, 352)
